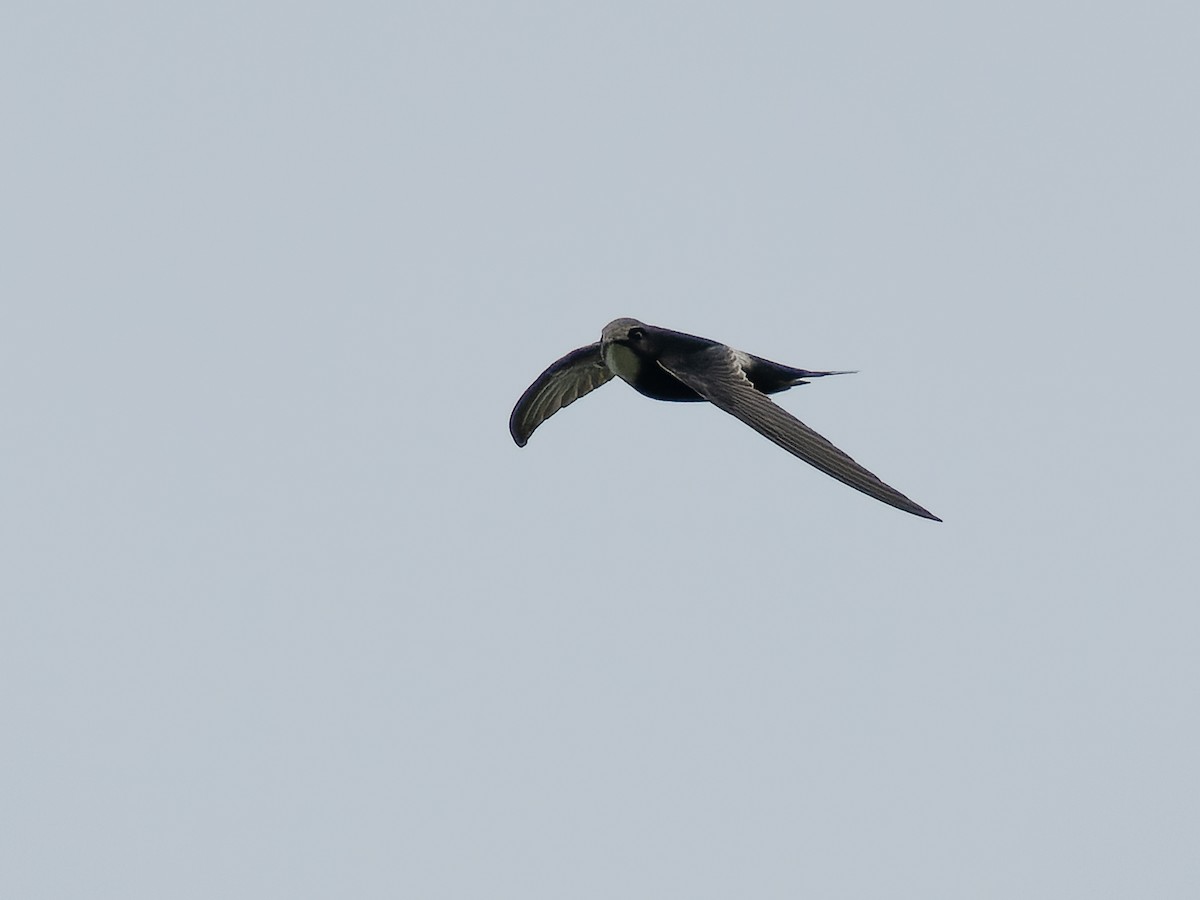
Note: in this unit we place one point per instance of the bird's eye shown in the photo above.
(636, 334)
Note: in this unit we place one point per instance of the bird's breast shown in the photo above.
(646, 377)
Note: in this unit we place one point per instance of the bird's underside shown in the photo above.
(670, 365)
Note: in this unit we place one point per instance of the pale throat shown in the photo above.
(622, 361)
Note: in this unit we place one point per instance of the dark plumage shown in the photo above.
(670, 365)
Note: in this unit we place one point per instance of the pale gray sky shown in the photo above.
(285, 613)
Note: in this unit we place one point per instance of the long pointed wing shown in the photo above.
(579, 372)
(717, 376)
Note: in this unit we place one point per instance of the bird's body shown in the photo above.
(670, 365)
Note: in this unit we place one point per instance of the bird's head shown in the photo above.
(624, 343)
(627, 332)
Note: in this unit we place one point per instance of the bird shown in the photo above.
(673, 366)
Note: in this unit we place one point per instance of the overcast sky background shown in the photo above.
(285, 613)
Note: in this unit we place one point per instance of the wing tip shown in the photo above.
(916, 509)
(519, 437)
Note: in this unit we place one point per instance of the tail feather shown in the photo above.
(803, 374)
